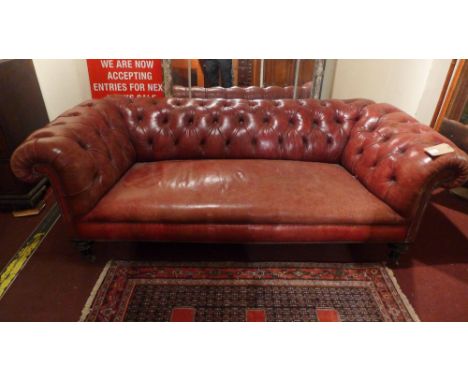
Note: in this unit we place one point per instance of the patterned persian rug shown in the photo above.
(133, 291)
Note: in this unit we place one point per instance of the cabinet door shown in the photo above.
(281, 72)
(22, 108)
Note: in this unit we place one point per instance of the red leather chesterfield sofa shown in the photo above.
(223, 170)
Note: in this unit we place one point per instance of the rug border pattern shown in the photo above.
(106, 277)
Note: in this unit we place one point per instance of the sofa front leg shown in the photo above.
(85, 247)
(396, 249)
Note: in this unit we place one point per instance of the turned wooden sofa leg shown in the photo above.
(396, 250)
(85, 247)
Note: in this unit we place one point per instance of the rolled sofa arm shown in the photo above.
(83, 152)
(385, 151)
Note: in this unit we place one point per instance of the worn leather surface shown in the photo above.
(88, 149)
(241, 192)
(307, 130)
(241, 233)
(251, 92)
(385, 152)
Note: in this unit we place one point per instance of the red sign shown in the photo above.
(134, 78)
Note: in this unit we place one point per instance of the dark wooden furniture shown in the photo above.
(277, 72)
(22, 110)
(281, 72)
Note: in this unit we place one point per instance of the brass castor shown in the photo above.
(85, 247)
(396, 250)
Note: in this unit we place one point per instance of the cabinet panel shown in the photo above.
(22, 110)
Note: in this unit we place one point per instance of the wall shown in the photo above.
(64, 83)
(411, 85)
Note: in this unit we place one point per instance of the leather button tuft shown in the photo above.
(83, 145)
(385, 138)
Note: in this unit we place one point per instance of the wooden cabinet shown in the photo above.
(281, 72)
(276, 72)
(179, 69)
(22, 110)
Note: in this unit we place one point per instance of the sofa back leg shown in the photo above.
(85, 247)
(396, 249)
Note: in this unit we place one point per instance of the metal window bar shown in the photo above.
(296, 78)
(317, 79)
(167, 77)
(262, 63)
(189, 70)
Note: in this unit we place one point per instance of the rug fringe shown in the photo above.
(405, 300)
(89, 302)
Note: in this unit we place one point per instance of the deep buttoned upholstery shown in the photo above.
(122, 168)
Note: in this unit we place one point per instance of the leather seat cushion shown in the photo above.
(241, 191)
